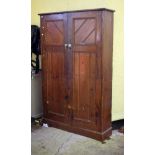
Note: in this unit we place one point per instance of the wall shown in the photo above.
(36, 96)
(42, 6)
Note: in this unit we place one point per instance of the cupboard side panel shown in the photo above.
(44, 67)
(107, 49)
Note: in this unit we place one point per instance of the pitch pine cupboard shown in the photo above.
(77, 71)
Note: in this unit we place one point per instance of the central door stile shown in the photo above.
(69, 60)
(67, 95)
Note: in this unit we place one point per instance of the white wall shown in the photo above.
(36, 96)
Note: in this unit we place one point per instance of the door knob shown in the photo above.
(66, 45)
(69, 45)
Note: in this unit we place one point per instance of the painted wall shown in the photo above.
(42, 6)
(36, 96)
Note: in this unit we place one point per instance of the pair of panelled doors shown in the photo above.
(72, 48)
(71, 62)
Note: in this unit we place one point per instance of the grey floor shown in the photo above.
(52, 141)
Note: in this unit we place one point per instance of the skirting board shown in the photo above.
(88, 133)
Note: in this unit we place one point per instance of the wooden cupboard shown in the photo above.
(77, 71)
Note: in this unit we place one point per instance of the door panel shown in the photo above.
(73, 85)
(55, 32)
(85, 39)
(83, 32)
(54, 36)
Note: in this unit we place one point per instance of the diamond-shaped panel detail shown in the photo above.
(55, 33)
(85, 31)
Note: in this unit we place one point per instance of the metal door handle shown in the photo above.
(66, 45)
(69, 45)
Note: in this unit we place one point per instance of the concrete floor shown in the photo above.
(52, 141)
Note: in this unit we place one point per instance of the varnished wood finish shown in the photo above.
(85, 28)
(77, 80)
(54, 65)
(107, 48)
(85, 10)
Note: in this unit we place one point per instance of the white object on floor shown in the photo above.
(45, 125)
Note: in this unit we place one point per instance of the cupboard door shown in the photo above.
(54, 66)
(85, 37)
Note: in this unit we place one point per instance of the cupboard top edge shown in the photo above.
(99, 9)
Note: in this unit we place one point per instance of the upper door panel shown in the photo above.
(85, 33)
(55, 27)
